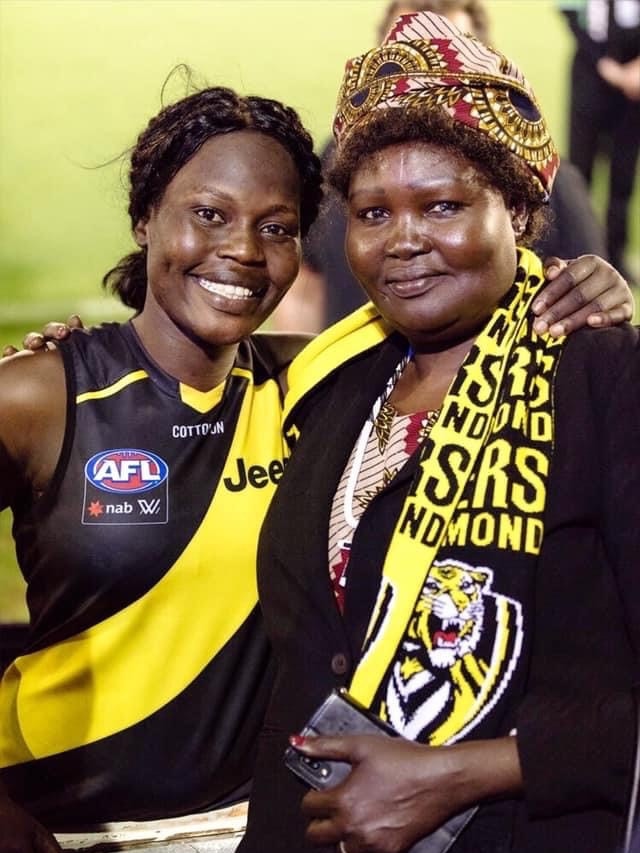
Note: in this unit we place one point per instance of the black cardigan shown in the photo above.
(575, 720)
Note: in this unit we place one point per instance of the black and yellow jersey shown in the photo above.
(145, 681)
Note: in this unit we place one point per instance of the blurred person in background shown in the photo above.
(326, 290)
(604, 105)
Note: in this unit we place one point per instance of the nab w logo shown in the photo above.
(121, 473)
(126, 471)
(149, 507)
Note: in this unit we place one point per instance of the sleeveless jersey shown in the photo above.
(145, 682)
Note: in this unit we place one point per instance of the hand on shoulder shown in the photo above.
(584, 291)
(51, 334)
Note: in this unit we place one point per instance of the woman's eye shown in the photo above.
(275, 229)
(445, 207)
(369, 213)
(209, 214)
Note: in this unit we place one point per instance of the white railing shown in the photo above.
(214, 832)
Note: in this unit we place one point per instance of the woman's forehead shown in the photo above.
(413, 162)
(247, 157)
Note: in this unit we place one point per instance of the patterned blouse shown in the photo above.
(382, 449)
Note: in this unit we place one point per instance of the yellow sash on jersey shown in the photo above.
(121, 670)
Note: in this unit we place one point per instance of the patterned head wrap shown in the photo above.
(426, 61)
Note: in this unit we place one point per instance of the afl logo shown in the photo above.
(126, 471)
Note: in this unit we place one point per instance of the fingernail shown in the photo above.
(594, 320)
(539, 305)
(297, 741)
(540, 326)
(557, 330)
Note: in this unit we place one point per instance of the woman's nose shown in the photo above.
(409, 236)
(241, 243)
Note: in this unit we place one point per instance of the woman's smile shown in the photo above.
(230, 291)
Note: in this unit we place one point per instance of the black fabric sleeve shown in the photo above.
(576, 726)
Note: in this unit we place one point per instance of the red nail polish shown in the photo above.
(296, 740)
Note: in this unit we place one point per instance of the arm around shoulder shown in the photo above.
(33, 405)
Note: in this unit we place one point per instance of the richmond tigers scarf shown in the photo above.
(499, 407)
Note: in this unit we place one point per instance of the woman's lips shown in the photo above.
(408, 285)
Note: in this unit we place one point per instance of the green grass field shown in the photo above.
(80, 79)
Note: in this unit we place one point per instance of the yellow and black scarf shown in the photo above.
(480, 485)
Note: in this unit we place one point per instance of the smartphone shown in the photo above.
(341, 714)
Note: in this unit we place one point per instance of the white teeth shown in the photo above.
(230, 291)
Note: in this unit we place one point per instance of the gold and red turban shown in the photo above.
(427, 62)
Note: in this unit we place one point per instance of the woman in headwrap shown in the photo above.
(456, 538)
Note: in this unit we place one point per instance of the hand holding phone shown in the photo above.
(340, 714)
